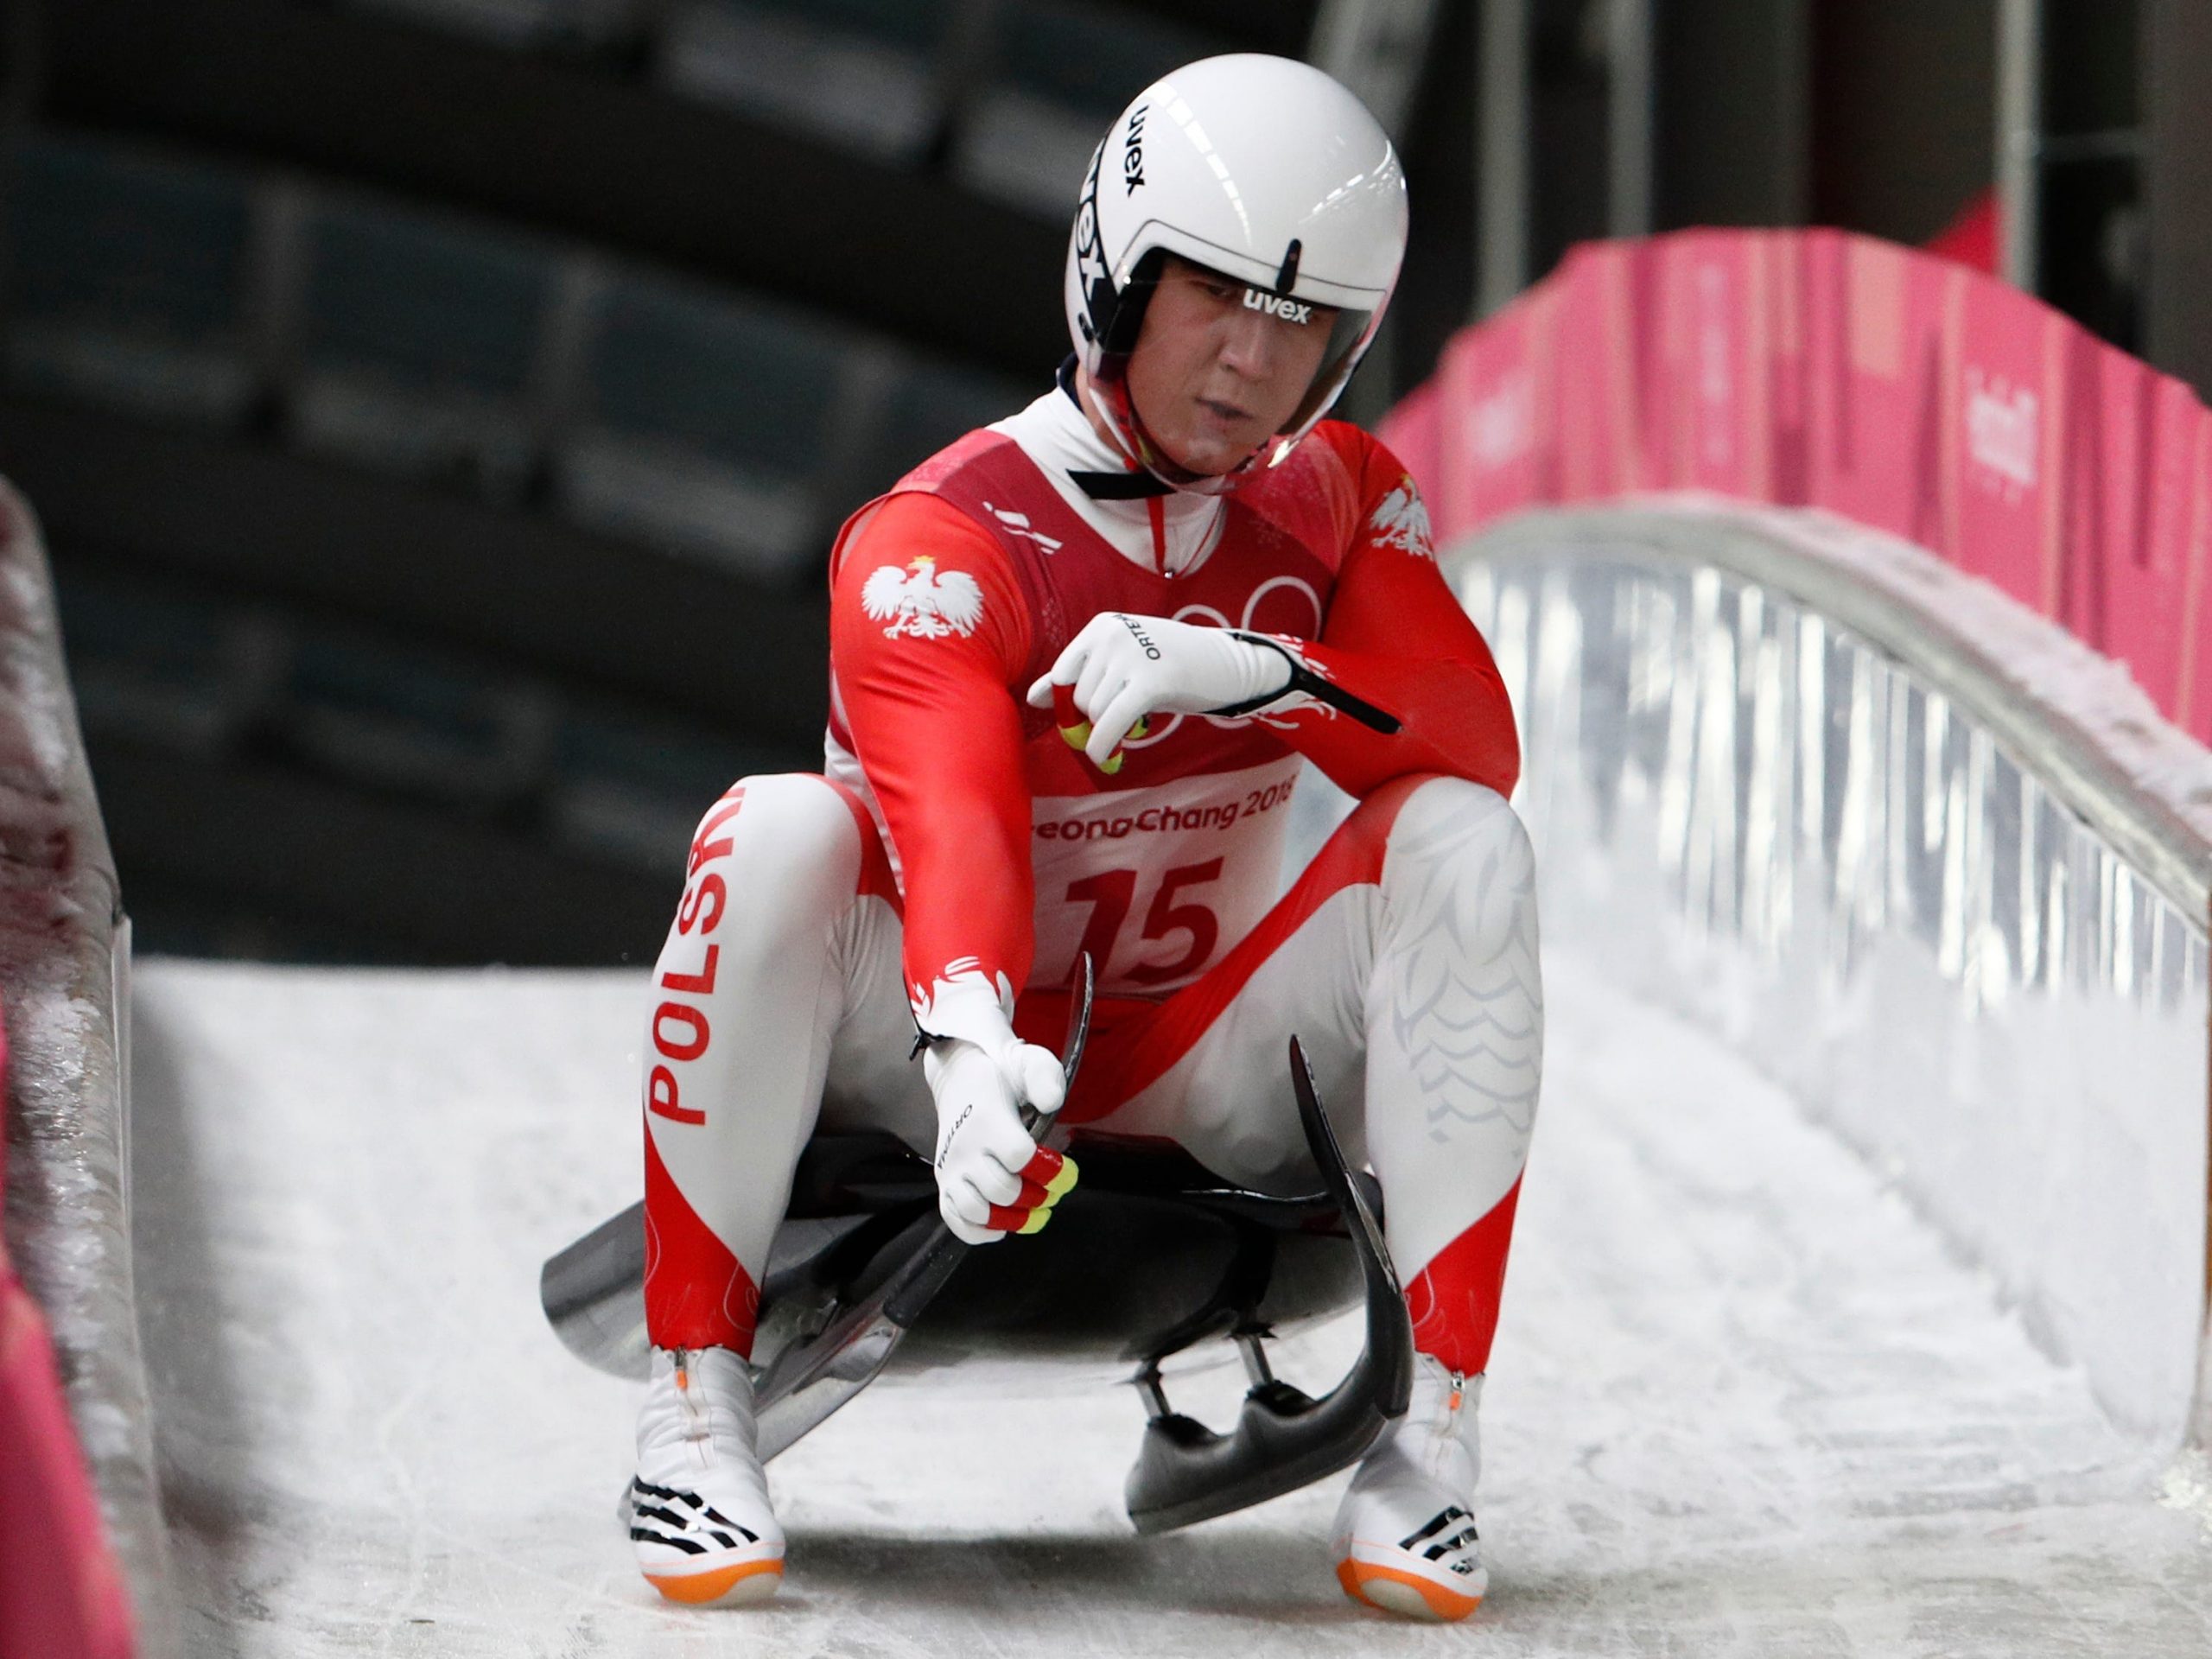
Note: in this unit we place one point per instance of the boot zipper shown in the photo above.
(695, 1420)
(1446, 1432)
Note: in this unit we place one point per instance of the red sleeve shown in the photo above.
(928, 633)
(1397, 639)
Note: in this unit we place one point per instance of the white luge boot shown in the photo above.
(1404, 1539)
(699, 1512)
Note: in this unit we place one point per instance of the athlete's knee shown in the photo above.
(1459, 846)
(1449, 825)
(775, 862)
(775, 828)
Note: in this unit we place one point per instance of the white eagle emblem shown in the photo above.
(1402, 521)
(922, 603)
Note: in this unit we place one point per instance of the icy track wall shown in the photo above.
(1847, 784)
(1910, 849)
(64, 956)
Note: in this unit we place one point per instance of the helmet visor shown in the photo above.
(1291, 356)
(1349, 333)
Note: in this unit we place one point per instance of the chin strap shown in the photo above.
(1120, 486)
(1304, 679)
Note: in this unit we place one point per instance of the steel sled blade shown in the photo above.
(593, 1295)
(593, 1291)
(811, 1380)
(1284, 1438)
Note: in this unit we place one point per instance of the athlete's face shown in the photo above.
(1213, 377)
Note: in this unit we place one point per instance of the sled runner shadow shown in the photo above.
(1149, 1255)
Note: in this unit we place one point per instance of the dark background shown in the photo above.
(439, 410)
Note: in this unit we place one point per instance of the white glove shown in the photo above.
(992, 1177)
(1124, 667)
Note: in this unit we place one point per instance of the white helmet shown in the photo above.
(1263, 168)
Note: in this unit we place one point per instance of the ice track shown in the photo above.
(1744, 1403)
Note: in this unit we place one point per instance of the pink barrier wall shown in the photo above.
(60, 1590)
(61, 1596)
(1815, 368)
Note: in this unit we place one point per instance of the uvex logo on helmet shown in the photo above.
(1276, 306)
(1133, 151)
(1088, 253)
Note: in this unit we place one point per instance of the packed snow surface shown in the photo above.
(1743, 1401)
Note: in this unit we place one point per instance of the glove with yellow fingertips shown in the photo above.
(992, 1177)
(1120, 668)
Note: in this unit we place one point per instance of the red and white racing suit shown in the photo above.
(958, 848)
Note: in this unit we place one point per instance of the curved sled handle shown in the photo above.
(1336, 1180)
(1284, 1439)
(1078, 1018)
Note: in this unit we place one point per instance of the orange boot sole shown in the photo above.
(1393, 1589)
(722, 1587)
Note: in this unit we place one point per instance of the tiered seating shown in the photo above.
(703, 423)
(233, 683)
(893, 80)
(400, 720)
(1062, 73)
(556, 25)
(129, 280)
(924, 410)
(630, 789)
(700, 421)
(859, 72)
(177, 669)
(419, 345)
